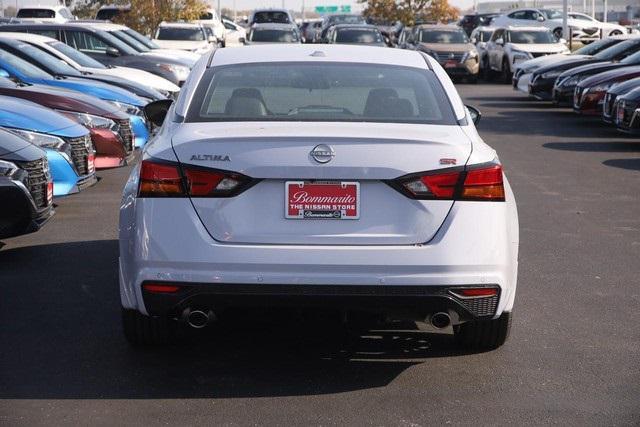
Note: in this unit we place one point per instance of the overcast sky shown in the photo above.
(250, 4)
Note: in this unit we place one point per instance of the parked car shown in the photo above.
(511, 46)
(607, 29)
(566, 83)
(617, 89)
(355, 34)
(273, 33)
(184, 36)
(335, 19)
(26, 187)
(451, 47)
(145, 46)
(270, 16)
(627, 112)
(522, 74)
(471, 22)
(589, 94)
(210, 19)
(59, 14)
(43, 59)
(310, 29)
(111, 11)
(93, 40)
(22, 72)
(235, 35)
(480, 36)
(548, 18)
(334, 178)
(543, 79)
(67, 144)
(110, 128)
(90, 67)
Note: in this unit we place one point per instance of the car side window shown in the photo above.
(532, 15)
(54, 34)
(65, 13)
(518, 15)
(85, 42)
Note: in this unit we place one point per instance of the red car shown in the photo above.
(589, 94)
(110, 128)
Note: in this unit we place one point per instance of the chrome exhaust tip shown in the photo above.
(440, 320)
(198, 319)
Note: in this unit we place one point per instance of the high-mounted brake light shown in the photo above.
(165, 179)
(481, 182)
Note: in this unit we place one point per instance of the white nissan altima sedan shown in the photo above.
(341, 177)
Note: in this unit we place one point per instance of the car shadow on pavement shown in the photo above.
(630, 164)
(596, 147)
(61, 339)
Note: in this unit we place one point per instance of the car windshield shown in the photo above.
(273, 35)
(36, 13)
(595, 47)
(346, 19)
(356, 35)
(443, 36)
(180, 33)
(337, 92)
(623, 49)
(532, 37)
(271, 16)
(485, 36)
(46, 60)
(23, 67)
(551, 14)
(120, 34)
(6, 83)
(117, 43)
(141, 38)
(77, 56)
(633, 59)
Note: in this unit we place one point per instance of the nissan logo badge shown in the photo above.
(322, 153)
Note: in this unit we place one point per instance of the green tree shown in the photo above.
(410, 11)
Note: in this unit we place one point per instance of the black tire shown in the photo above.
(507, 75)
(615, 33)
(558, 33)
(485, 69)
(145, 330)
(483, 334)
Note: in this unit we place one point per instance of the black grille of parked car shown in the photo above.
(607, 106)
(80, 149)
(628, 109)
(126, 134)
(539, 54)
(38, 178)
(448, 56)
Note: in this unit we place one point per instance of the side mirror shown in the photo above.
(156, 111)
(474, 40)
(4, 73)
(540, 18)
(242, 40)
(212, 39)
(112, 51)
(500, 41)
(474, 113)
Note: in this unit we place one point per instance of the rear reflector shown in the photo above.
(481, 182)
(475, 292)
(158, 288)
(166, 179)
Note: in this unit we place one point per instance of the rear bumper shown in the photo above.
(409, 302)
(164, 240)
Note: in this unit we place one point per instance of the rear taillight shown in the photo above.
(474, 292)
(481, 182)
(160, 288)
(165, 179)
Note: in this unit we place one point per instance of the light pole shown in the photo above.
(565, 27)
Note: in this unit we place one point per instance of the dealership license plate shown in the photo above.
(322, 200)
(620, 114)
(450, 64)
(91, 163)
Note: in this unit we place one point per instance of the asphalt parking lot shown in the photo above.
(573, 356)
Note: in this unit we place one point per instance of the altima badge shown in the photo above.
(322, 153)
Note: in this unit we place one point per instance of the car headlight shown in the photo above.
(40, 139)
(520, 54)
(127, 108)
(180, 71)
(551, 75)
(470, 55)
(90, 121)
(7, 168)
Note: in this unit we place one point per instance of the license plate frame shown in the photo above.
(297, 208)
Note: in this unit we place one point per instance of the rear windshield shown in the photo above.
(36, 13)
(443, 36)
(177, 33)
(45, 60)
(337, 92)
(358, 36)
(273, 36)
(531, 37)
(271, 16)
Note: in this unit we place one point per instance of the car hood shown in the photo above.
(10, 143)
(591, 69)
(21, 114)
(136, 75)
(100, 90)
(540, 47)
(446, 47)
(616, 74)
(634, 95)
(171, 56)
(625, 87)
(566, 65)
(532, 65)
(181, 44)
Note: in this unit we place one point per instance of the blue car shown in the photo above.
(18, 69)
(67, 144)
